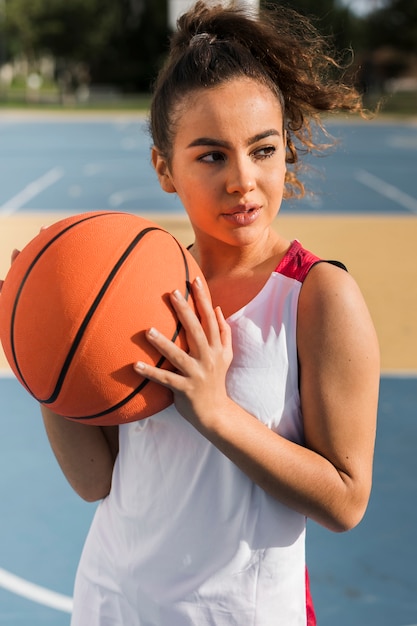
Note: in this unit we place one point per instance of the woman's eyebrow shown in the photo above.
(219, 143)
(271, 132)
(209, 141)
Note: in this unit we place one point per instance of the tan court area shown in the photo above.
(380, 253)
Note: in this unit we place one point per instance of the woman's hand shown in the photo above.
(199, 380)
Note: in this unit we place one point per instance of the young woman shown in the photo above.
(204, 504)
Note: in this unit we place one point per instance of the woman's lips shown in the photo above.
(242, 215)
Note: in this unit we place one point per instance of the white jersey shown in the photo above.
(185, 538)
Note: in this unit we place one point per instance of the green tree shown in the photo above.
(136, 50)
(114, 41)
(67, 28)
(395, 25)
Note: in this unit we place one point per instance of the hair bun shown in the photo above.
(202, 37)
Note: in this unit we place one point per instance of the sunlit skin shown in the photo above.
(228, 169)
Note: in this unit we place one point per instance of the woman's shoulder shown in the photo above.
(331, 303)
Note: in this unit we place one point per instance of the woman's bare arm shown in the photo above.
(328, 479)
(86, 454)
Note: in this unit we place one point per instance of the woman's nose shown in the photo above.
(240, 177)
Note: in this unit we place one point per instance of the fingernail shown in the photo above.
(177, 294)
(199, 282)
(220, 312)
(140, 365)
(152, 332)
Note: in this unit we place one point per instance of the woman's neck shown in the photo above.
(219, 260)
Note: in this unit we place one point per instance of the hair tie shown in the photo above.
(200, 37)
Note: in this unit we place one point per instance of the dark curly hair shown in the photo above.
(278, 47)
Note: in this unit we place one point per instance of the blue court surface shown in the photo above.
(366, 577)
(77, 164)
(54, 163)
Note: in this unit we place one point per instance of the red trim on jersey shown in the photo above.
(311, 616)
(297, 262)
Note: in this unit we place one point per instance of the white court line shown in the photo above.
(386, 190)
(31, 190)
(36, 593)
(120, 197)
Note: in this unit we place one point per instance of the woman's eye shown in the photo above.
(264, 153)
(212, 157)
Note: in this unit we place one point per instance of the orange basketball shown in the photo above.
(74, 308)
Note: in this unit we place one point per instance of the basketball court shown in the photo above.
(364, 213)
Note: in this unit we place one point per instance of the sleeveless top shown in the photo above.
(185, 538)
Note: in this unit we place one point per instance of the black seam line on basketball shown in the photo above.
(93, 308)
(122, 402)
(81, 330)
(187, 271)
(25, 278)
(159, 364)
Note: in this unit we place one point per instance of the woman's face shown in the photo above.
(228, 161)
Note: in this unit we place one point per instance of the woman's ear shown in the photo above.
(162, 170)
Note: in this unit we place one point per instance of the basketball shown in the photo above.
(74, 309)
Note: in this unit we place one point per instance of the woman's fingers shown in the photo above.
(224, 330)
(208, 338)
(202, 328)
(200, 374)
(175, 355)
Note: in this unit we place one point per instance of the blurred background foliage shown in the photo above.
(79, 52)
